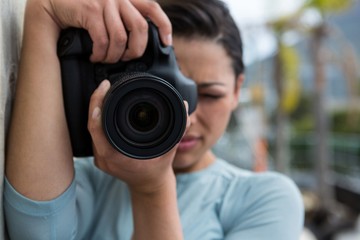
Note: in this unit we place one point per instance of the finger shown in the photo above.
(153, 11)
(100, 39)
(137, 27)
(116, 31)
(89, 17)
(95, 106)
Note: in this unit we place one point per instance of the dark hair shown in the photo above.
(206, 19)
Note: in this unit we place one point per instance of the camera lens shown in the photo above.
(144, 116)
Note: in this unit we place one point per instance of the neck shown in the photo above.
(205, 161)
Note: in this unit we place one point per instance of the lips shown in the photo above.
(187, 143)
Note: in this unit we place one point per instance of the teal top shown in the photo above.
(219, 202)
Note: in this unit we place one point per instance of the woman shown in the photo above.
(188, 193)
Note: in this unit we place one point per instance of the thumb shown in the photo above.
(188, 122)
(95, 107)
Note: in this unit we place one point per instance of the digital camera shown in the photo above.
(143, 114)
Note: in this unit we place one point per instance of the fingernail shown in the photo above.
(96, 113)
(186, 106)
(104, 85)
(169, 40)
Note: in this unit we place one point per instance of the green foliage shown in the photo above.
(346, 122)
(341, 121)
(304, 124)
(304, 107)
(280, 25)
(291, 85)
(329, 6)
(302, 118)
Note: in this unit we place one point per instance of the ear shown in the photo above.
(238, 83)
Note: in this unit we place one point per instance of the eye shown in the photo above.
(210, 96)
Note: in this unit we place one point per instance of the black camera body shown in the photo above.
(143, 115)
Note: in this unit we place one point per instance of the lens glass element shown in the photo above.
(143, 117)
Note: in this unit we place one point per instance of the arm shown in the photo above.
(151, 182)
(38, 156)
(156, 214)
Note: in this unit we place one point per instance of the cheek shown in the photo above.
(216, 115)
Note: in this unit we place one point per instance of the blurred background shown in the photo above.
(299, 110)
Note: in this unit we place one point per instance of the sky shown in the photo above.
(258, 11)
(251, 16)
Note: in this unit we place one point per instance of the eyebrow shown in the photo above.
(209, 84)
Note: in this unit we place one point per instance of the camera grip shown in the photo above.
(76, 107)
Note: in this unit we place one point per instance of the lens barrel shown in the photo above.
(144, 116)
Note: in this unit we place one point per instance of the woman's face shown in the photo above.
(207, 63)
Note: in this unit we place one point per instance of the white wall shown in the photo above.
(11, 17)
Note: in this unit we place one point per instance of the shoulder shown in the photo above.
(254, 188)
(273, 184)
(270, 200)
(255, 184)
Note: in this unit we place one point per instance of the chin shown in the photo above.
(183, 163)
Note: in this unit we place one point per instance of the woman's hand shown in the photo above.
(151, 182)
(144, 176)
(118, 28)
